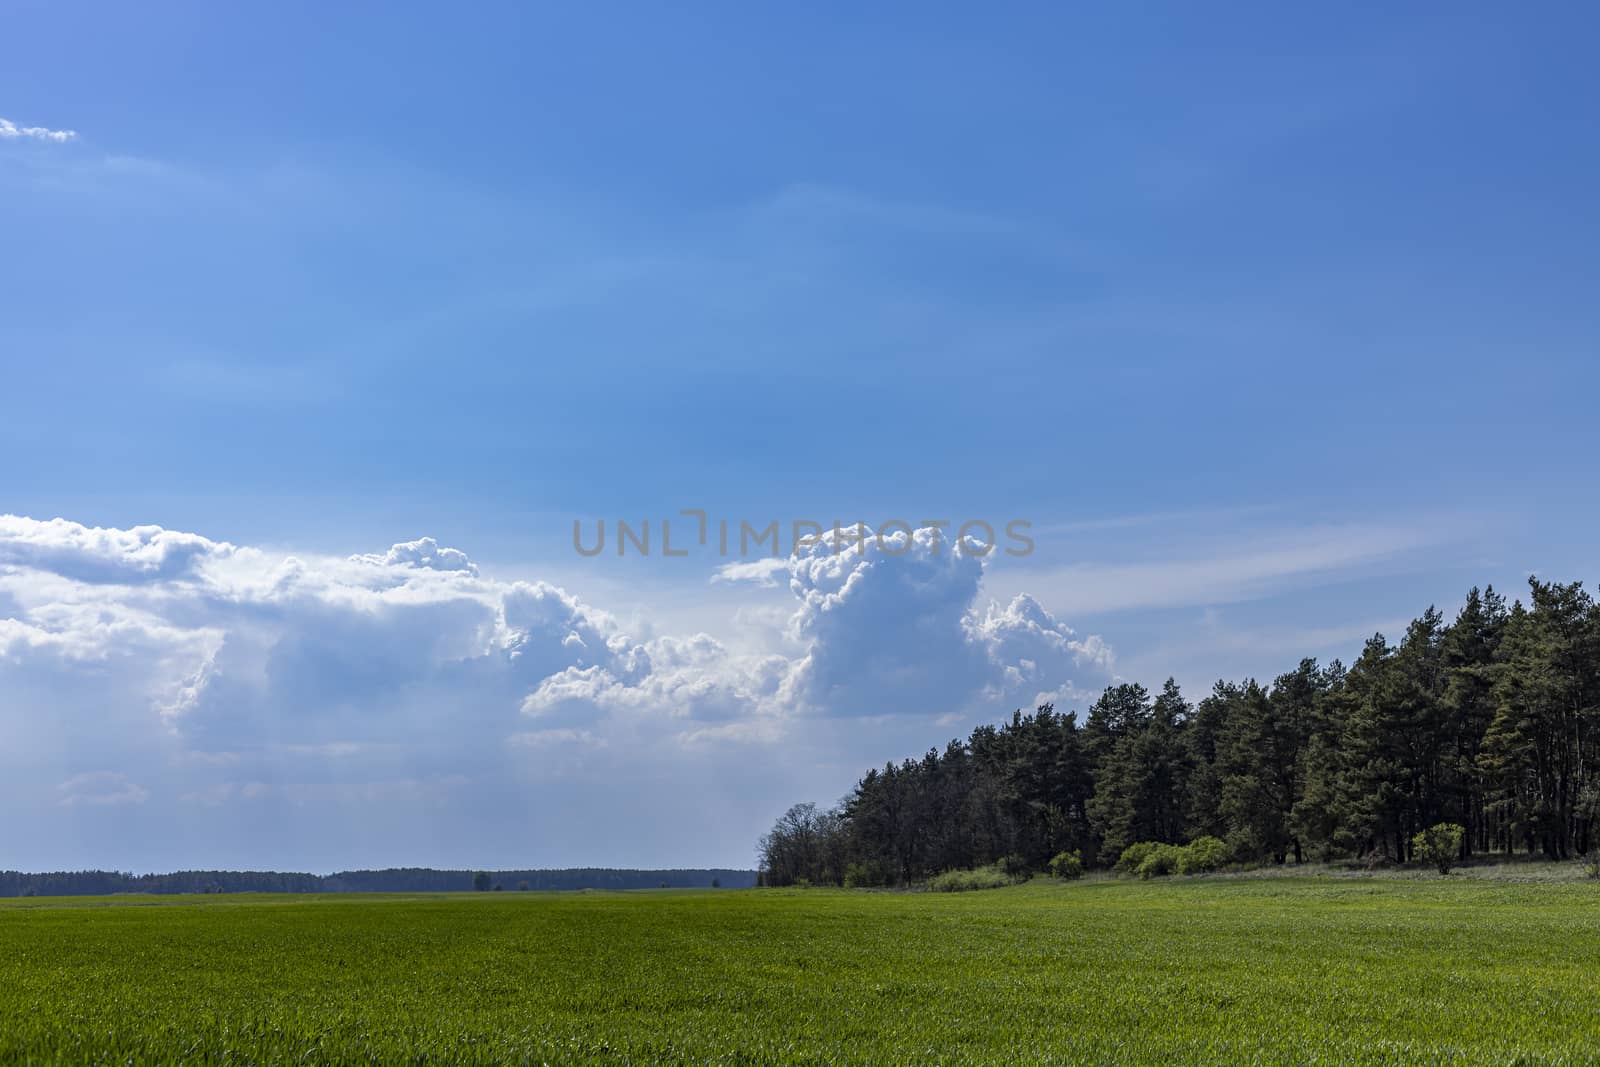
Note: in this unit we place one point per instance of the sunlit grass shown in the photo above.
(1280, 970)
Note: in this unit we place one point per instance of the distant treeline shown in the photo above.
(1491, 722)
(395, 880)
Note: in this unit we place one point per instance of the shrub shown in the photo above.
(1067, 865)
(862, 875)
(1134, 855)
(1160, 860)
(1439, 845)
(1201, 855)
(962, 881)
(1015, 866)
(1591, 862)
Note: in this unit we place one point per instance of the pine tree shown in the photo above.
(1141, 785)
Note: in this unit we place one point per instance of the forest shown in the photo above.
(1490, 721)
(392, 880)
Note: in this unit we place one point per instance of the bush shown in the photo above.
(1439, 845)
(1016, 866)
(863, 875)
(1201, 855)
(1591, 862)
(962, 881)
(1134, 855)
(1067, 865)
(1160, 860)
(1153, 859)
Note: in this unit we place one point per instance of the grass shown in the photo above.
(1189, 970)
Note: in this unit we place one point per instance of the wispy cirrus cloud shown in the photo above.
(1220, 570)
(10, 131)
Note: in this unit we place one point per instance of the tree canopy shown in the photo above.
(1490, 723)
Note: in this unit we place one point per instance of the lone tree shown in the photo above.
(481, 881)
(1439, 845)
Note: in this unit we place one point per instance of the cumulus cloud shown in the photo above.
(95, 554)
(890, 626)
(1032, 652)
(220, 675)
(423, 552)
(10, 131)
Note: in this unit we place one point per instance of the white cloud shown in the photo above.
(423, 552)
(763, 572)
(10, 131)
(95, 554)
(224, 674)
(893, 629)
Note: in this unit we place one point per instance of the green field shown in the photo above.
(1237, 970)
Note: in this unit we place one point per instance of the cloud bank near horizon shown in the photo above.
(157, 670)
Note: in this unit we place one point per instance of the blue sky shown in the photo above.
(1278, 328)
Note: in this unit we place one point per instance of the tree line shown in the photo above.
(1491, 722)
(392, 880)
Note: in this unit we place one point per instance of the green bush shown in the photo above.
(961, 881)
(1439, 845)
(1203, 854)
(864, 875)
(1016, 866)
(1134, 855)
(1591, 862)
(1160, 860)
(1154, 859)
(1067, 865)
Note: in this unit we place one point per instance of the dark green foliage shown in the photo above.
(1490, 722)
(864, 876)
(480, 881)
(1016, 866)
(1141, 780)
